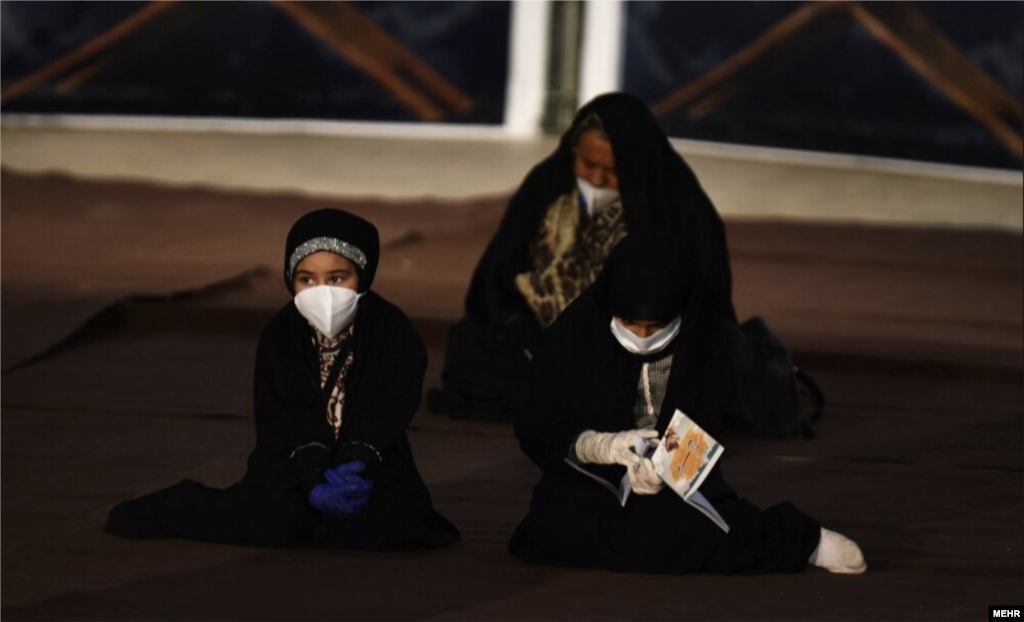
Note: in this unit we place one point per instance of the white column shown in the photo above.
(527, 70)
(604, 39)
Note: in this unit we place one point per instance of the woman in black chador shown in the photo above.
(608, 375)
(614, 172)
(339, 372)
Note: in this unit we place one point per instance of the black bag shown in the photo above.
(483, 369)
(773, 398)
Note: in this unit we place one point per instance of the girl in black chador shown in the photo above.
(642, 342)
(614, 172)
(339, 372)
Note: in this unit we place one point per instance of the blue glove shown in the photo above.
(344, 494)
(334, 501)
(347, 475)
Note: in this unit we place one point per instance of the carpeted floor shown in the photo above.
(130, 316)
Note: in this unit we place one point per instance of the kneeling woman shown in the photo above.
(339, 373)
(637, 345)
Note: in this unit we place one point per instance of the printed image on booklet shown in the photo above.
(684, 458)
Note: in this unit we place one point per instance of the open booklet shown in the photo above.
(683, 459)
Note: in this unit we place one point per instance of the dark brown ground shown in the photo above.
(130, 317)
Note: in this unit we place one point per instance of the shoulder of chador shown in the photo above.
(286, 316)
(385, 319)
(379, 307)
(581, 324)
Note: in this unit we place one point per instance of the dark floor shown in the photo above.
(131, 314)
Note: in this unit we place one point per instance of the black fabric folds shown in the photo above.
(649, 277)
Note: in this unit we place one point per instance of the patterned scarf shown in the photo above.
(568, 254)
(329, 349)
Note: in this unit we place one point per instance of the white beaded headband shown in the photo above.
(334, 245)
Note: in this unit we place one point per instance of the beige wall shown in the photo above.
(743, 182)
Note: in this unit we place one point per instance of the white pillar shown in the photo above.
(604, 39)
(528, 68)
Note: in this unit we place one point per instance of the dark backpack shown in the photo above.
(773, 397)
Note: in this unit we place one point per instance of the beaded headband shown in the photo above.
(334, 245)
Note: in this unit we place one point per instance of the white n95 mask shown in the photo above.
(647, 345)
(327, 308)
(596, 199)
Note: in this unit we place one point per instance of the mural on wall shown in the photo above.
(933, 81)
(373, 61)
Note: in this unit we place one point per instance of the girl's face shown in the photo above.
(325, 268)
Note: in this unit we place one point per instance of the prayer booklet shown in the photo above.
(684, 458)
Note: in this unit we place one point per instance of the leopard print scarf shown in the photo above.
(329, 349)
(568, 253)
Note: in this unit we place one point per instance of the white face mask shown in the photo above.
(328, 309)
(596, 199)
(649, 345)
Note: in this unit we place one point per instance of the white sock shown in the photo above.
(837, 553)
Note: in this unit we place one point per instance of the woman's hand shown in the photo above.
(644, 478)
(614, 447)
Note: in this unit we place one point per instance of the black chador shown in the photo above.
(486, 357)
(583, 380)
(312, 417)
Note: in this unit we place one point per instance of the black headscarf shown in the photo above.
(648, 277)
(658, 191)
(336, 231)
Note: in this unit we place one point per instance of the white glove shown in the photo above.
(613, 447)
(644, 478)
